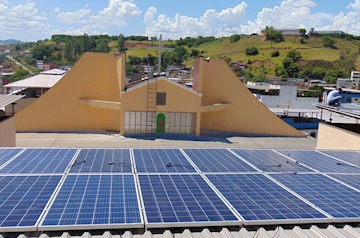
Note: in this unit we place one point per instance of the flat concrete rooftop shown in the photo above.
(113, 140)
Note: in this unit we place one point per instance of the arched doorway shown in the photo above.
(160, 123)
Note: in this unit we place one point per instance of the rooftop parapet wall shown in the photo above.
(247, 115)
(94, 77)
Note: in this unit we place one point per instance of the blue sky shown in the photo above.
(32, 20)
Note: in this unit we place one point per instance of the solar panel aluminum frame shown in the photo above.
(333, 219)
(196, 169)
(79, 151)
(185, 224)
(12, 158)
(32, 228)
(276, 221)
(40, 227)
(340, 160)
(43, 148)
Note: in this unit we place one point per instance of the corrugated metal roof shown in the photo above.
(54, 72)
(329, 231)
(8, 99)
(37, 81)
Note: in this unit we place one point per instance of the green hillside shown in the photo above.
(313, 58)
(312, 50)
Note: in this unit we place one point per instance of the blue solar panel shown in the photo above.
(352, 157)
(217, 160)
(6, 154)
(182, 199)
(23, 199)
(102, 160)
(270, 161)
(95, 200)
(352, 180)
(319, 161)
(40, 161)
(332, 197)
(260, 200)
(161, 161)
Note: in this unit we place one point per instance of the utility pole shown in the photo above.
(159, 61)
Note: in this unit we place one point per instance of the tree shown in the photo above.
(194, 53)
(234, 38)
(19, 74)
(42, 51)
(121, 43)
(275, 54)
(328, 41)
(272, 34)
(294, 55)
(251, 51)
(302, 31)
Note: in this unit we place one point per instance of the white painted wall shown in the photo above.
(288, 97)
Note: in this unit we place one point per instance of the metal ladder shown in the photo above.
(151, 107)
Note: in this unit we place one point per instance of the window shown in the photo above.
(160, 98)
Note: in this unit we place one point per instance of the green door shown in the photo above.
(160, 123)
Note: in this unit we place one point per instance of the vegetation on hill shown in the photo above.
(270, 55)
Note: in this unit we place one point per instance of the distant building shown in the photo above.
(330, 32)
(290, 32)
(40, 64)
(238, 66)
(352, 83)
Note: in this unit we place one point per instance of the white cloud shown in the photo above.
(74, 17)
(113, 15)
(21, 17)
(210, 23)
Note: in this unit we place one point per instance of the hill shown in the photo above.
(10, 42)
(320, 57)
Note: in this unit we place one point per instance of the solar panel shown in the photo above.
(102, 160)
(270, 161)
(217, 160)
(161, 161)
(182, 200)
(261, 201)
(319, 161)
(332, 197)
(40, 161)
(352, 157)
(7, 154)
(23, 199)
(94, 201)
(352, 180)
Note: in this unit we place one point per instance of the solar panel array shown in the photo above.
(70, 189)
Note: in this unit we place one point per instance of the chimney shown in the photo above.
(198, 75)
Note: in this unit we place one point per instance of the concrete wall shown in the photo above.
(334, 138)
(94, 77)
(7, 132)
(20, 104)
(288, 94)
(247, 115)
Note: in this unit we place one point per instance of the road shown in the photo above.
(19, 64)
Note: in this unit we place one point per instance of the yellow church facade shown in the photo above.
(93, 96)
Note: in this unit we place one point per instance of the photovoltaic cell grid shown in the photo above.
(352, 157)
(23, 198)
(319, 161)
(40, 161)
(332, 197)
(270, 161)
(182, 199)
(161, 161)
(352, 180)
(102, 160)
(95, 200)
(7, 154)
(217, 160)
(257, 198)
